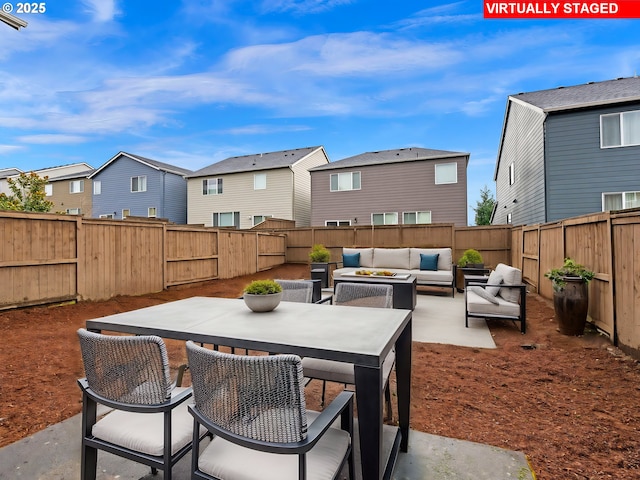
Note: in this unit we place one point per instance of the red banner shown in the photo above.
(562, 9)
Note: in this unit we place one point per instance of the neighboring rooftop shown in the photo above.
(147, 161)
(9, 172)
(410, 154)
(84, 174)
(259, 161)
(587, 95)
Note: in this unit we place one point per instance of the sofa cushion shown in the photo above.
(510, 276)
(351, 260)
(444, 257)
(429, 262)
(482, 292)
(366, 255)
(391, 258)
(494, 279)
(435, 277)
(478, 305)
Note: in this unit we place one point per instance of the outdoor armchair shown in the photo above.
(362, 295)
(301, 291)
(148, 422)
(255, 408)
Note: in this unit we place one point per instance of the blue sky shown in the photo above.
(194, 82)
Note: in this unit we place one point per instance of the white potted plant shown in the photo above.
(262, 295)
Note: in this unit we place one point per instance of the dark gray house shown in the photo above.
(569, 151)
(131, 185)
(390, 187)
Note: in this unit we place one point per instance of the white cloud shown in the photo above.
(103, 10)
(50, 138)
(302, 7)
(10, 149)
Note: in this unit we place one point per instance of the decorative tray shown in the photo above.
(375, 274)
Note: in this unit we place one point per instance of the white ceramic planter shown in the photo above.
(262, 303)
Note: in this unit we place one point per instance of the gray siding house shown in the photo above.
(243, 191)
(569, 151)
(131, 185)
(402, 186)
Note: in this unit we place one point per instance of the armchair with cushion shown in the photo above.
(149, 422)
(501, 296)
(255, 407)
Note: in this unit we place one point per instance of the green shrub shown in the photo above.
(319, 253)
(569, 269)
(262, 287)
(470, 256)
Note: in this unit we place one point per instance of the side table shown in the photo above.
(467, 271)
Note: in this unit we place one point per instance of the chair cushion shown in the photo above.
(351, 260)
(429, 262)
(223, 459)
(391, 258)
(494, 279)
(366, 255)
(484, 293)
(143, 432)
(341, 372)
(510, 276)
(477, 305)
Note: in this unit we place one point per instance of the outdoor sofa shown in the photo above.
(432, 267)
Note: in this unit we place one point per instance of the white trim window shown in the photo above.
(73, 211)
(106, 215)
(76, 186)
(413, 218)
(260, 218)
(139, 184)
(509, 218)
(620, 200)
(152, 212)
(620, 129)
(226, 219)
(212, 186)
(344, 181)
(446, 173)
(97, 187)
(259, 181)
(337, 223)
(126, 213)
(512, 173)
(387, 218)
(48, 190)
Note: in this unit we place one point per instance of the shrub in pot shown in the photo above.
(570, 296)
(320, 257)
(471, 258)
(262, 295)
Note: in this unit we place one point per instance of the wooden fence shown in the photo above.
(47, 258)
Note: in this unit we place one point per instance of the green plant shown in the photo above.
(319, 253)
(569, 269)
(470, 256)
(262, 287)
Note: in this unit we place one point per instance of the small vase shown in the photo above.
(571, 305)
(262, 303)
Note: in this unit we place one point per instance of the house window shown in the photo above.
(509, 218)
(97, 187)
(212, 186)
(73, 211)
(260, 218)
(412, 218)
(226, 219)
(76, 186)
(259, 181)
(512, 173)
(48, 190)
(106, 215)
(337, 223)
(139, 184)
(388, 218)
(345, 181)
(620, 129)
(126, 213)
(446, 173)
(152, 212)
(620, 200)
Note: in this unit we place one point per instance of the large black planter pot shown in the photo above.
(571, 305)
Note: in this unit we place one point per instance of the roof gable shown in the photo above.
(165, 167)
(255, 162)
(382, 157)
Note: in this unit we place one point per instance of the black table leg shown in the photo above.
(369, 402)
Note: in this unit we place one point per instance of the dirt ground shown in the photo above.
(571, 404)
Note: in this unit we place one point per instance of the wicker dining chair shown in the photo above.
(362, 295)
(149, 422)
(296, 290)
(255, 408)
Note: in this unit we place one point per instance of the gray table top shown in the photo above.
(358, 335)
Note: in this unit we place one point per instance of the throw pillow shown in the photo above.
(481, 292)
(429, 262)
(351, 260)
(494, 279)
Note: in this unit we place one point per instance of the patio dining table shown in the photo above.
(359, 335)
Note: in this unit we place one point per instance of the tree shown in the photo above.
(27, 194)
(484, 207)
